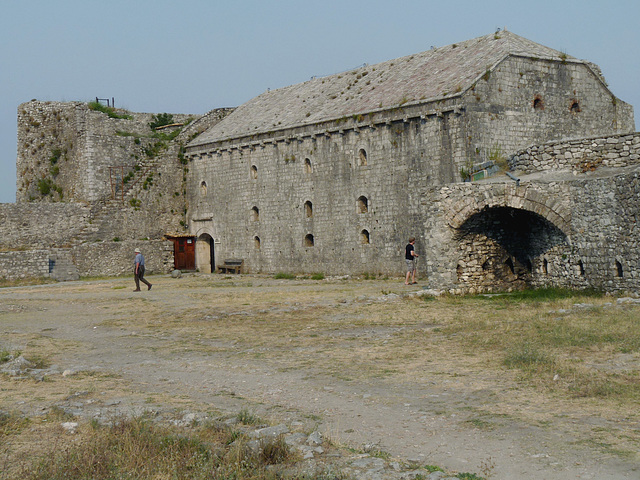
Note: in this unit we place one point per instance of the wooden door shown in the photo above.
(184, 253)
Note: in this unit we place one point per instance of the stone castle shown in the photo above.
(513, 165)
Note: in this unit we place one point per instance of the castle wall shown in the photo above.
(580, 155)
(526, 102)
(591, 238)
(41, 224)
(116, 258)
(18, 265)
(263, 191)
(410, 151)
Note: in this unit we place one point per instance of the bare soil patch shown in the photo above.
(363, 360)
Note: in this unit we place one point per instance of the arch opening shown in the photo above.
(504, 248)
(205, 255)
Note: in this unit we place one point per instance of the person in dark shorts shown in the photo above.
(410, 257)
(139, 271)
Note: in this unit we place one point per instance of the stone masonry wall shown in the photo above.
(19, 265)
(598, 214)
(41, 225)
(580, 155)
(527, 102)
(291, 200)
(262, 202)
(116, 258)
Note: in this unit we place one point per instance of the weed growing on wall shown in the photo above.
(110, 111)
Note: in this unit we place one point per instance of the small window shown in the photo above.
(308, 240)
(619, 271)
(545, 267)
(256, 242)
(363, 204)
(538, 104)
(581, 268)
(203, 188)
(575, 106)
(307, 166)
(308, 209)
(255, 214)
(254, 172)
(364, 237)
(362, 157)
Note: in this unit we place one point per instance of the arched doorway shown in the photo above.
(507, 248)
(205, 255)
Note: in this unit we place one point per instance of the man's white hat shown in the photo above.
(137, 250)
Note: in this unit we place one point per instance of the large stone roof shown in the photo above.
(418, 78)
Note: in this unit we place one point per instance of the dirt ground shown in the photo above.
(358, 358)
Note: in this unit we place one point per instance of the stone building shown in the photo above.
(512, 163)
(334, 174)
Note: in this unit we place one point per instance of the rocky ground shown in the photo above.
(206, 347)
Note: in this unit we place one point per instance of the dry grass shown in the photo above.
(536, 347)
(138, 448)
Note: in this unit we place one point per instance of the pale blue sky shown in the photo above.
(189, 56)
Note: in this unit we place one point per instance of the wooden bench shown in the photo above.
(232, 265)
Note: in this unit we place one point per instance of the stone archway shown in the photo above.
(506, 248)
(205, 254)
(508, 236)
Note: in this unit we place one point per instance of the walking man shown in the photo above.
(139, 271)
(410, 257)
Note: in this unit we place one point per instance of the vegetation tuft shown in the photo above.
(110, 111)
(284, 276)
(138, 448)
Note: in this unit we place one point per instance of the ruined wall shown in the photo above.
(79, 153)
(113, 184)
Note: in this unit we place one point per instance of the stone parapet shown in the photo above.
(580, 155)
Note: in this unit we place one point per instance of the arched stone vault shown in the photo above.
(551, 207)
(507, 236)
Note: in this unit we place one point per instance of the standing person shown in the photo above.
(410, 257)
(139, 271)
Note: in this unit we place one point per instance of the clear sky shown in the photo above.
(190, 56)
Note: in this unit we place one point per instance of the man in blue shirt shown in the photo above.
(139, 271)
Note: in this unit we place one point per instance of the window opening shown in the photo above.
(308, 209)
(308, 240)
(255, 214)
(619, 269)
(256, 242)
(575, 107)
(545, 266)
(363, 204)
(307, 166)
(538, 104)
(581, 268)
(364, 236)
(203, 188)
(254, 172)
(362, 157)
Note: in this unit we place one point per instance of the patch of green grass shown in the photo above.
(526, 356)
(284, 276)
(317, 276)
(110, 111)
(248, 418)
